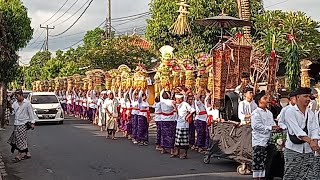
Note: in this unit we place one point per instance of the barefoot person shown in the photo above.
(23, 114)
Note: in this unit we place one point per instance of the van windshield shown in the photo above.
(44, 99)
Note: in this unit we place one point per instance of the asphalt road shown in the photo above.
(77, 150)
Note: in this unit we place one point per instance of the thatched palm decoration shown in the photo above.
(181, 26)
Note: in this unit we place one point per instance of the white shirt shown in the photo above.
(111, 105)
(167, 110)
(313, 105)
(157, 111)
(261, 124)
(143, 106)
(135, 106)
(84, 102)
(281, 117)
(23, 113)
(183, 110)
(92, 102)
(100, 104)
(200, 107)
(245, 108)
(69, 98)
(295, 121)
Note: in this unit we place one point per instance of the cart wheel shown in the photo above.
(206, 159)
(241, 170)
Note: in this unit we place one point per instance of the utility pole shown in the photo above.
(108, 34)
(47, 35)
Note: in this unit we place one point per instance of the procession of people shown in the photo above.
(183, 108)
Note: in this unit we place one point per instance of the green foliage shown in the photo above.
(281, 24)
(93, 38)
(52, 68)
(117, 51)
(16, 18)
(292, 66)
(68, 69)
(202, 39)
(15, 32)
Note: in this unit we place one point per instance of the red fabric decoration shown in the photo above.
(189, 67)
(175, 68)
(273, 54)
(239, 34)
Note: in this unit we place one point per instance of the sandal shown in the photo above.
(16, 160)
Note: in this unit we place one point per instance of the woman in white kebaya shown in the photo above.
(184, 112)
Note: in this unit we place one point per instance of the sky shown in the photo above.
(41, 10)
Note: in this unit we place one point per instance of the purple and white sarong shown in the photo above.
(192, 133)
(134, 123)
(168, 133)
(201, 128)
(143, 126)
(158, 139)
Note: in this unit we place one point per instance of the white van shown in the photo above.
(46, 107)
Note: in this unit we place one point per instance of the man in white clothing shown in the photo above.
(24, 119)
(262, 124)
(247, 106)
(302, 139)
(281, 117)
(101, 111)
(245, 82)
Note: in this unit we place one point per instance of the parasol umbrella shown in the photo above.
(223, 21)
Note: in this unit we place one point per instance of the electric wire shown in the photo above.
(56, 12)
(74, 21)
(64, 13)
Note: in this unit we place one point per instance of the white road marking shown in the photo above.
(224, 174)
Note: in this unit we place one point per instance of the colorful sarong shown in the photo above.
(143, 126)
(134, 123)
(201, 128)
(129, 126)
(168, 131)
(192, 133)
(158, 139)
(182, 138)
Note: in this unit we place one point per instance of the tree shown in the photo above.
(297, 37)
(114, 52)
(52, 68)
(93, 38)
(69, 69)
(202, 39)
(15, 32)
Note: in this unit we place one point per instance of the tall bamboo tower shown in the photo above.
(245, 14)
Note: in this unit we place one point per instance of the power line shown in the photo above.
(125, 17)
(73, 13)
(277, 3)
(56, 12)
(131, 20)
(73, 44)
(64, 13)
(36, 39)
(74, 21)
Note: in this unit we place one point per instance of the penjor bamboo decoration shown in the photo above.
(181, 25)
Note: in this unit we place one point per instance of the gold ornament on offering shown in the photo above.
(85, 83)
(70, 83)
(157, 82)
(140, 77)
(108, 80)
(176, 72)
(181, 25)
(124, 72)
(113, 73)
(190, 79)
